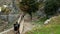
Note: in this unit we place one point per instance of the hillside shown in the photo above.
(52, 28)
(36, 14)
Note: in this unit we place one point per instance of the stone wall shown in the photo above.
(9, 31)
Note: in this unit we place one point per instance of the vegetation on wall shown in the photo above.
(29, 6)
(51, 7)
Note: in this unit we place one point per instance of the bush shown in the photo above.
(29, 6)
(51, 7)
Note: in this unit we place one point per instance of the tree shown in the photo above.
(29, 6)
(51, 7)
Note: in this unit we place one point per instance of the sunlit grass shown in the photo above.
(52, 28)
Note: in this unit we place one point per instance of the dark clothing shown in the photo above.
(16, 27)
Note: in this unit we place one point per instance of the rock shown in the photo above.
(47, 21)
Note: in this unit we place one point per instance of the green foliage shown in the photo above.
(40, 21)
(29, 5)
(5, 10)
(51, 6)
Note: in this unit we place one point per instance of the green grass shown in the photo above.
(52, 28)
(40, 21)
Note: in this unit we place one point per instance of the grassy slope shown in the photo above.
(52, 28)
(40, 21)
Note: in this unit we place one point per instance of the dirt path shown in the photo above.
(24, 27)
(25, 24)
(28, 26)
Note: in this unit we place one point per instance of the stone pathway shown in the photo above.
(24, 27)
(27, 26)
